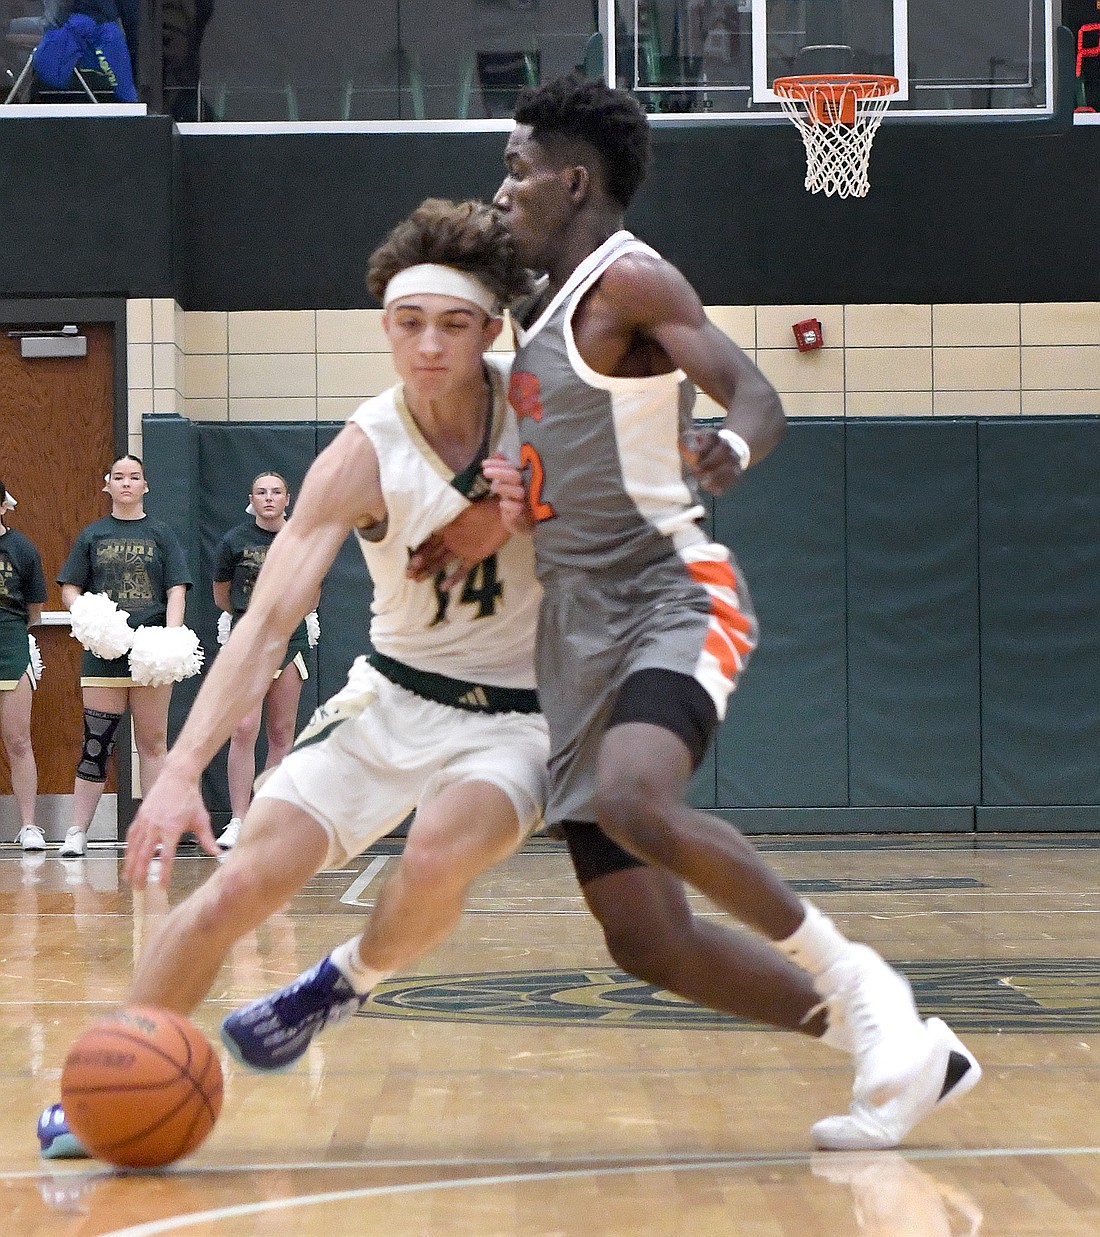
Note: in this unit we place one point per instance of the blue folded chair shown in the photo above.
(83, 43)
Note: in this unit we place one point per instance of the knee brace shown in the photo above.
(99, 743)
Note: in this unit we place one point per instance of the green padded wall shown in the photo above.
(912, 558)
(927, 592)
(784, 741)
(171, 458)
(231, 455)
(1039, 536)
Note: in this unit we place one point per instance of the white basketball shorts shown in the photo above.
(375, 751)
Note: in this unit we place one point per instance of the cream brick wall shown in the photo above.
(878, 360)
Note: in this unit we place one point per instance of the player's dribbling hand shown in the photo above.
(172, 807)
(507, 485)
(711, 458)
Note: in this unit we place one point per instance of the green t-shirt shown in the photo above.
(135, 562)
(22, 583)
(240, 555)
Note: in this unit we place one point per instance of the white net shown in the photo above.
(838, 119)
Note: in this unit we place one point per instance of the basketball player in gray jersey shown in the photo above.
(646, 624)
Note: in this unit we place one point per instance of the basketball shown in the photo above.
(141, 1088)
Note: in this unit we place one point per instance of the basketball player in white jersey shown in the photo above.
(441, 717)
(646, 624)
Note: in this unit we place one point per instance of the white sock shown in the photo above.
(345, 958)
(816, 943)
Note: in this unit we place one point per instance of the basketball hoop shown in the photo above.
(838, 115)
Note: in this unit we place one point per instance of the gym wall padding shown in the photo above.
(222, 460)
(912, 558)
(170, 454)
(928, 599)
(784, 741)
(1039, 537)
(930, 612)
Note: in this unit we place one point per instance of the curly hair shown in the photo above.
(610, 121)
(465, 235)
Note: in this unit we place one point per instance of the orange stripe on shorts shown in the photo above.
(718, 574)
(719, 648)
(729, 616)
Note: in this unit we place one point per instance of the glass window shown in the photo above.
(242, 60)
(398, 60)
(687, 55)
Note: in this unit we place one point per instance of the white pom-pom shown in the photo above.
(164, 655)
(36, 657)
(313, 628)
(100, 625)
(225, 626)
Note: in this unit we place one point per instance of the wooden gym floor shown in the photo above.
(517, 1084)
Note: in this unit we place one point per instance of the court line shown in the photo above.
(698, 1163)
(350, 896)
(583, 913)
(575, 1163)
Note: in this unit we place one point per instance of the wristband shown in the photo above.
(738, 446)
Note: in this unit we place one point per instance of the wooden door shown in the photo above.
(56, 442)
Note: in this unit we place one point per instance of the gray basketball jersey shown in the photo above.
(631, 581)
(607, 485)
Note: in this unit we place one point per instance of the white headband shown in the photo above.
(432, 277)
(9, 503)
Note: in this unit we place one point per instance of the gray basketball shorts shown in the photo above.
(689, 613)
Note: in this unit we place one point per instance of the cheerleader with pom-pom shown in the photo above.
(22, 592)
(125, 583)
(241, 553)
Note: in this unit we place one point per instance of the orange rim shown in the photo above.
(831, 98)
(862, 85)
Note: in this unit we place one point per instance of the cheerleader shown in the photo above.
(130, 560)
(22, 592)
(241, 553)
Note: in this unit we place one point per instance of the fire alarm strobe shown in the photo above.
(808, 335)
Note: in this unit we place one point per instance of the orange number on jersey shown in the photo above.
(528, 456)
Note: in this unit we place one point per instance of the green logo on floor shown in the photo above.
(974, 995)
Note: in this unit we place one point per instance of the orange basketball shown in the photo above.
(141, 1088)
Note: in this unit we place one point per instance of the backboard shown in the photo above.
(988, 61)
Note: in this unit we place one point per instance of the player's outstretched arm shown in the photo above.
(340, 491)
